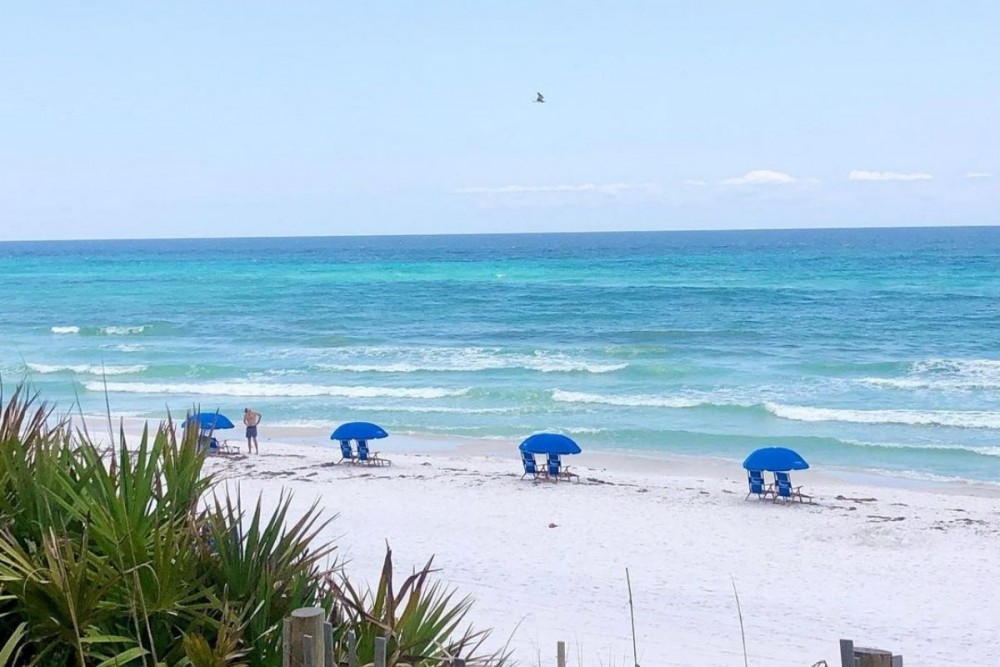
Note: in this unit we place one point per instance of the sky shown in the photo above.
(193, 119)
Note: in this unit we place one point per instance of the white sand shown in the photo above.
(911, 569)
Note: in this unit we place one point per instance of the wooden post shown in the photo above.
(307, 651)
(328, 644)
(286, 642)
(352, 649)
(306, 622)
(560, 654)
(380, 651)
(846, 653)
(873, 657)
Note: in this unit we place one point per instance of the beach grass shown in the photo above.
(128, 555)
(424, 621)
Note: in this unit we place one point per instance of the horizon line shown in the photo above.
(524, 233)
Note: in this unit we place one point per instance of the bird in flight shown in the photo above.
(540, 98)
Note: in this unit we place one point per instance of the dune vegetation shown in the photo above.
(130, 555)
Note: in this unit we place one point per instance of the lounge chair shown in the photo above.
(367, 458)
(346, 453)
(555, 471)
(783, 489)
(530, 466)
(226, 447)
(757, 486)
(207, 443)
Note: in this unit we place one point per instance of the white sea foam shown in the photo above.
(250, 389)
(65, 330)
(918, 476)
(282, 372)
(87, 369)
(962, 366)
(982, 450)
(302, 423)
(639, 401)
(943, 384)
(128, 348)
(944, 374)
(466, 359)
(430, 409)
(123, 331)
(953, 418)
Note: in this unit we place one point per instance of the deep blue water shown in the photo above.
(861, 348)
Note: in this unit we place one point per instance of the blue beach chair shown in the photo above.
(756, 480)
(783, 489)
(367, 458)
(346, 453)
(554, 469)
(208, 443)
(530, 465)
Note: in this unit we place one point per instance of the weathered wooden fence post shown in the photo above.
(380, 643)
(352, 649)
(286, 642)
(328, 645)
(846, 653)
(856, 656)
(561, 654)
(873, 657)
(307, 651)
(304, 644)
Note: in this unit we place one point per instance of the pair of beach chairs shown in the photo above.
(213, 445)
(553, 470)
(781, 487)
(362, 457)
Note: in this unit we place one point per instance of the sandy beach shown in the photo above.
(905, 566)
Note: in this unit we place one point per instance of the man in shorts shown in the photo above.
(251, 419)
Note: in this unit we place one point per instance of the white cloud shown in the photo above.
(693, 183)
(976, 175)
(861, 175)
(761, 177)
(599, 188)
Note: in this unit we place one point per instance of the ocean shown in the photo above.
(870, 349)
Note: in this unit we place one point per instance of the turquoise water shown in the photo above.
(873, 349)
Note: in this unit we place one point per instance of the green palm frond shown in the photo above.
(422, 621)
(124, 557)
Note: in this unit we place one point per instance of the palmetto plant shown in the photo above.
(118, 557)
(422, 621)
(265, 567)
(124, 556)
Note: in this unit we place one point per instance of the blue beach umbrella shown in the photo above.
(359, 431)
(775, 459)
(209, 421)
(549, 443)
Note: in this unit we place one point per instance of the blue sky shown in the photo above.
(165, 119)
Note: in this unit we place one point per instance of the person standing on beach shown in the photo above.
(251, 419)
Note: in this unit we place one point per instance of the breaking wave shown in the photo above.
(122, 331)
(438, 409)
(250, 389)
(87, 369)
(981, 450)
(639, 401)
(468, 359)
(944, 374)
(952, 418)
(102, 331)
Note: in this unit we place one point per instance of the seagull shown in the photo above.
(540, 98)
